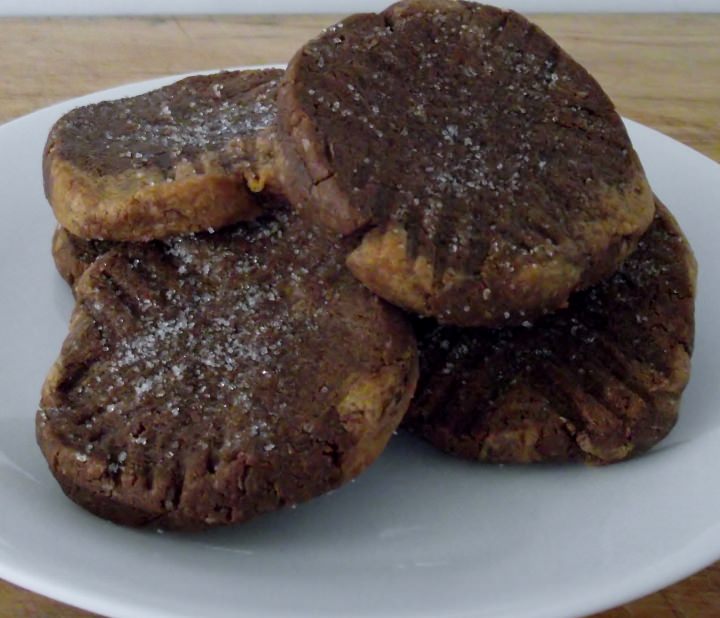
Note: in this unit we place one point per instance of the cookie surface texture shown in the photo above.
(208, 379)
(597, 382)
(488, 172)
(172, 161)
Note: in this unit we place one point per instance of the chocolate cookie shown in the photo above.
(171, 161)
(208, 379)
(488, 172)
(598, 382)
(72, 255)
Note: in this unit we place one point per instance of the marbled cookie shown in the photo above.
(599, 381)
(487, 172)
(209, 379)
(172, 161)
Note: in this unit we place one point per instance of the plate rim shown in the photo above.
(673, 568)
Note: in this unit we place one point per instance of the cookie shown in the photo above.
(172, 161)
(597, 382)
(209, 379)
(487, 172)
(72, 255)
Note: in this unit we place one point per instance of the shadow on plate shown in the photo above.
(62, 297)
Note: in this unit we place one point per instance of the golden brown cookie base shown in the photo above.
(142, 206)
(173, 161)
(499, 294)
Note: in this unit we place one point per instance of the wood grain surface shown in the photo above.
(662, 70)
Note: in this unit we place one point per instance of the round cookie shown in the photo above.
(597, 382)
(208, 379)
(72, 255)
(172, 161)
(487, 172)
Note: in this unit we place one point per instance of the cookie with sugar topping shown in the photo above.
(171, 161)
(598, 382)
(487, 172)
(208, 379)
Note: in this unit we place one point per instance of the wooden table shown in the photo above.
(661, 70)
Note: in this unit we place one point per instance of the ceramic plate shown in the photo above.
(419, 534)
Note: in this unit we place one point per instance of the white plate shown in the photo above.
(420, 534)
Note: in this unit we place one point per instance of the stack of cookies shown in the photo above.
(433, 217)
